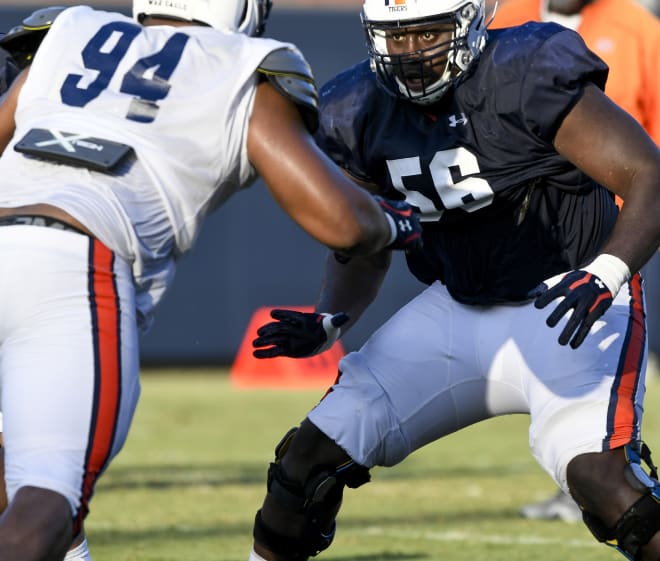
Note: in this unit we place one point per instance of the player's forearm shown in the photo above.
(636, 235)
(351, 287)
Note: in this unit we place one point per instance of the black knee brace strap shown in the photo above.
(642, 520)
(633, 530)
(315, 500)
(296, 549)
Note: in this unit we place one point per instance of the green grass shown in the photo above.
(191, 476)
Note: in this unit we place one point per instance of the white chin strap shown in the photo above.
(433, 92)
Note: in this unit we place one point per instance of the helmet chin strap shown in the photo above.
(430, 94)
(495, 5)
(435, 90)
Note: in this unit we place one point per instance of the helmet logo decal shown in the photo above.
(396, 5)
(169, 4)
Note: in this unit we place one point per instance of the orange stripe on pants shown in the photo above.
(104, 304)
(622, 421)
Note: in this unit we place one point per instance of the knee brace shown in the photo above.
(316, 500)
(641, 521)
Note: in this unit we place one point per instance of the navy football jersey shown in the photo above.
(501, 209)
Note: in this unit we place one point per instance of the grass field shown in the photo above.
(191, 476)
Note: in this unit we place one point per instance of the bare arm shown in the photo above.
(607, 144)
(351, 287)
(307, 184)
(348, 288)
(8, 104)
(334, 210)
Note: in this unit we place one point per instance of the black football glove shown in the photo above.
(297, 334)
(406, 228)
(588, 292)
(585, 294)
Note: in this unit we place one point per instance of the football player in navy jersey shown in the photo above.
(506, 144)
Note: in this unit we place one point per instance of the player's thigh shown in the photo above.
(588, 399)
(415, 380)
(68, 361)
(3, 492)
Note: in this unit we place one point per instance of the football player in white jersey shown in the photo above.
(118, 140)
(17, 48)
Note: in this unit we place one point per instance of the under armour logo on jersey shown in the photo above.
(405, 228)
(599, 283)
(455, 120)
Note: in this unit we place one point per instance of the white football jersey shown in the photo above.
(181, 97)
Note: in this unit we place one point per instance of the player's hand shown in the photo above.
(586, 295)
(406, 228)
(297, 334)
(587, 292)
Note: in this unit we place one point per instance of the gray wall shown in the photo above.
(250, 254)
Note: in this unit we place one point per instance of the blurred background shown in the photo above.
(250, 254)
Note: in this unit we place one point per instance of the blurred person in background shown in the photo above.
(626, 35)
(622, 32)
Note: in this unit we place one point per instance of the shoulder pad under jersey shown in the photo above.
(23, 40)
(290, 74)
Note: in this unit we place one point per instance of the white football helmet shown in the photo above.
(383, 17)
(244, 16)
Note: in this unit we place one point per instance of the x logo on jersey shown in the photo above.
(61, 139)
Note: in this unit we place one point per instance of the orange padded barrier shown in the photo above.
(316, 372)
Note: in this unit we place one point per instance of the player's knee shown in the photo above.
(596, 482)
(620, 501)
(305, 490)
(307, 446)
(37, 524)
